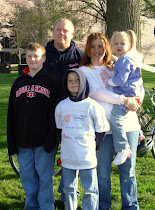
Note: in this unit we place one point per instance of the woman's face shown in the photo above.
(97, 50)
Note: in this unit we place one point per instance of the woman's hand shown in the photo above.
(132, 103)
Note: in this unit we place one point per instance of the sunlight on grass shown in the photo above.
(12, 194)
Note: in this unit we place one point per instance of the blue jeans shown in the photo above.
(36, 173)
(61, 186)
(89, 182)
(118, 118)
(126, 173)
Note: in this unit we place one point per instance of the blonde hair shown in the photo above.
(86, 60)
(129, 34)
(33, 46)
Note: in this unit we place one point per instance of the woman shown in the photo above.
(95, 65)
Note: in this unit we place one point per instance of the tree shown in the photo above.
(117, 14)
(7, 13)
(126, 15)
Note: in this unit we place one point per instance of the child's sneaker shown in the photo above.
(141, 136)
(122, 156)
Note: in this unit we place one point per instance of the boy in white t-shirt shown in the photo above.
(81, 121)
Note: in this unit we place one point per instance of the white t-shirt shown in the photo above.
(105, 95)
(79, 121)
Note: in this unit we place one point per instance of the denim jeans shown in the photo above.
(36, 173)
(89, 182)
(126, 172)
(61, 186)
(118, 118)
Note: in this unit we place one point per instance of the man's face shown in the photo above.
(35, 59)
(63, 34)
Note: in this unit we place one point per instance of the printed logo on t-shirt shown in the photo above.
(32, 90)
(66, 137)
(67, 118)
(73, 65)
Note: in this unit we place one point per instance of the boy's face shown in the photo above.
(35, 59)
(73, 83)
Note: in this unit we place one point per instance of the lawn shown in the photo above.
(11, 192)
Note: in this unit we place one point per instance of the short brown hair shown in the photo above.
(86, 60)
(33, 46)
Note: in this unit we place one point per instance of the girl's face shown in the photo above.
(121, 45)
(97, 50)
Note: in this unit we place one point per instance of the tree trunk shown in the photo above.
(123, 15)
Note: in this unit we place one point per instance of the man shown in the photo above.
(61, 52)
(61, 55)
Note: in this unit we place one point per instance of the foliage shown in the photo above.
(33, 20)
(98, 8)
(8, 11)
(148, 8)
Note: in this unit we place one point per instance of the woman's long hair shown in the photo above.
(86, 59)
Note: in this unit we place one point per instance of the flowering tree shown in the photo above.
(8, 13)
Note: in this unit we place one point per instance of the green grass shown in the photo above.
(11, 193)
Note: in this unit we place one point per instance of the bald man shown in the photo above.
(61, 52)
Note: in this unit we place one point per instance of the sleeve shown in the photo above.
(11, 136)
(106, 96)
(58, 116)
(51, 139)
(110, 83)
(101, 94)
(122, 71)
(100, 121)
(59, 131)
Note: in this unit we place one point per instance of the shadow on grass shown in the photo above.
(13, 206)
(8, 176)
(3, 145)
(60, 206)
(19, 206)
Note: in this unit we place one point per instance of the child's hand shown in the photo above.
(114, 58)
(106, 82)
(110, 66)
(104, 76)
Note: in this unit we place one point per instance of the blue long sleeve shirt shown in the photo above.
(127, 78)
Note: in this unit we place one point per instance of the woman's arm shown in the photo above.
(106, 96)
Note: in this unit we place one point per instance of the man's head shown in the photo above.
(35, 56)
(63, 33)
